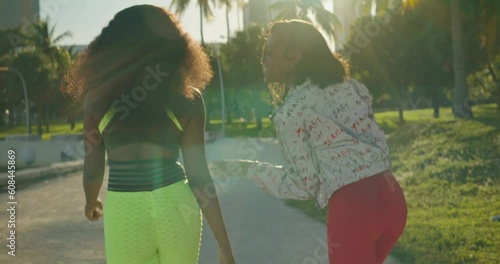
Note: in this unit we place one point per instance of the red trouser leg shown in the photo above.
(365, 219)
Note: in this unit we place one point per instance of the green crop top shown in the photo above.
(119, 138)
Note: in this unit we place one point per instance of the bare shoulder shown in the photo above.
(196, 103)
(93, 106)
(190, 107)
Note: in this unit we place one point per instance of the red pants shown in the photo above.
(365, 219)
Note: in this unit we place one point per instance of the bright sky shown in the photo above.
(86, 18)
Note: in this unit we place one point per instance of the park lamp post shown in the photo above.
(217, 55)
(28, 123)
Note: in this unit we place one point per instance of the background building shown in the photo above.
(14, 13)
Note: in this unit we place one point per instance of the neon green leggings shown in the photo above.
(159, 226)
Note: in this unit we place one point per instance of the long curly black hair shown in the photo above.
(139, 38)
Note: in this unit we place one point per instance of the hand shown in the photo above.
(226, 255)
(94, 211)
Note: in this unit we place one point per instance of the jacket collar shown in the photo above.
(295, 88)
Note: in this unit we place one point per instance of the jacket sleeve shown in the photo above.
(298, 178)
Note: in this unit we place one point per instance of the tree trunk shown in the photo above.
(401, 117)
(201, 27)
(461, 106)
(497, 85)
(47, 119)
(227, 24)
(208, 107)
(435, 104)
(257, 108)
(39, 120)
(258, 118)
(72, 120)
(230, 105)
(11, 116)
(498, 96)
(238, 16)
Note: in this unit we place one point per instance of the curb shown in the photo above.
(56, 169)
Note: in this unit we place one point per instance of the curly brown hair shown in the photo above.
(138, 40)
(318, 63)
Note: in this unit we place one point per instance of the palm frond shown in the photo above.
(328, 22)
(207, 9)
(180, 5)
(224, 3)
(62, 36)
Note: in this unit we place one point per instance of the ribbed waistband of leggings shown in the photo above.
(148, 175)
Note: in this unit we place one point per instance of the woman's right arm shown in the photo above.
(193, 152)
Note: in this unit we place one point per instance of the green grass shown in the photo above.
(450, 172)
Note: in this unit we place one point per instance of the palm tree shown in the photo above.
(205, 11)
(303, 9)
(228, 5)
(45, 42)
(240, 6)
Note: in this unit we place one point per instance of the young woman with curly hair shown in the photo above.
(141, 107)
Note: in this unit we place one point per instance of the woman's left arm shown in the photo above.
(94, 161)
(295, 180)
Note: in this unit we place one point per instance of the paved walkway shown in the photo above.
(51, 227)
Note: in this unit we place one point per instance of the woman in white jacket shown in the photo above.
(336, 153)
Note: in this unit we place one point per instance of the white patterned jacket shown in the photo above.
(329, 138)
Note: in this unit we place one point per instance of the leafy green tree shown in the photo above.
(241, 64)
(489, 17)
(36, 71)
(9, 38)
(304, 10)
(418, 39)
(460, 13)
(44, 41)
(381, 61)
(42, 64)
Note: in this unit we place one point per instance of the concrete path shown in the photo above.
(51, 227)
